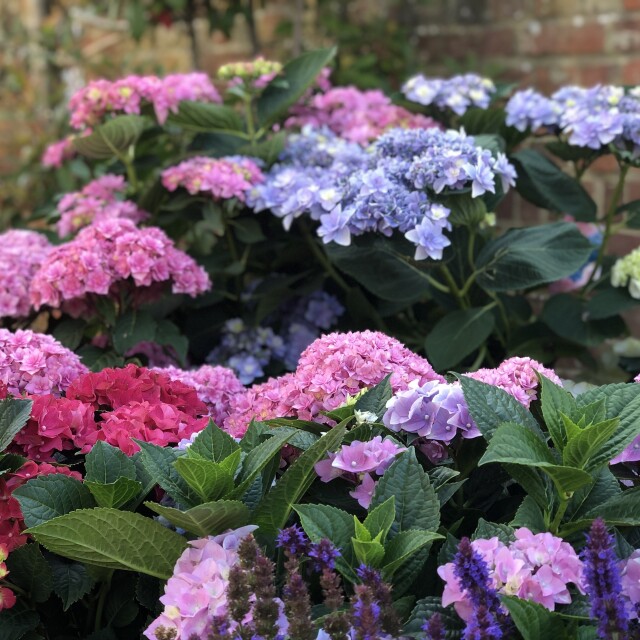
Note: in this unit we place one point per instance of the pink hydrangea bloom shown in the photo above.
(229, 177)
(109, 253)
(356, 115)
(36, 363)
(89, 105)
(363, 493)
(57, 153)
(21, 254)
(215, 386)
(197, 590)
(631, 577)
(55, 425)
(357, 461)
(330, 369)
(338, 365)
(97, 201)
(537, 567)
(135, 402)
(275, 398)
(517, 376)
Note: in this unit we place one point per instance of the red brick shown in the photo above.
(623, 243)
(632, 5)
(624, 36)
(605, 164)
(499, 42)
(631, 72)
(589, 74)
(563, 39)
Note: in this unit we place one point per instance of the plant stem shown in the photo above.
(102, 598)
(564, 503)
(608, 220)
(453, 287)
(251, 127)
(322, 258)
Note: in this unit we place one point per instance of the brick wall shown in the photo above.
(545, 44)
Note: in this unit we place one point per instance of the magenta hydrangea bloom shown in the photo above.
(21, 254)
(435, 410)
(215, 386)
(517, 376)
(356, 115)
(537, 567)
(36, 363)
(58, 152)
(330, 370)
(90, 104)
(106, 254)
(96, 201)
(230, 177)
(197, 591)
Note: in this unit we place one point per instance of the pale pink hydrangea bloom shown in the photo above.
(359, 460)
(56, 153)
(631, 577)
(97, 201)
(127, 95)
(230, 177)
(537, 567)
(36, 363)
(330, 369)
(197, 591)
(109, 252)
(21, 254)
(517, 376)
(356, 115)
(215, 386)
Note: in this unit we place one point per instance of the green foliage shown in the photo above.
(457, 335)
(525, 258)
(13, 416)
(74, 536)
(113, 138)
(540, 181)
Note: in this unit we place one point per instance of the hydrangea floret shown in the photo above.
(22, 252)
(109, 254)
(252, 76)
(626, 273)
(355, 115)
(539, 567)
(457, 93)
(230, 177)
(36, 363)
(197, 591)
(592, 117)
(359, 461)
(215, 386)
(89, 105)
(96, 201)
(393, 187)
(331, 369)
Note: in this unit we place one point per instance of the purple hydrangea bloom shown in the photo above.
(435, 410)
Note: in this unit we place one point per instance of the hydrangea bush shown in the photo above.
(272, 373)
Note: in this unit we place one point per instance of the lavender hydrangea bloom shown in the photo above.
(529, 109)
(458, 93)
(351, 192)
(435, 410)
